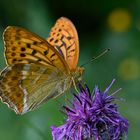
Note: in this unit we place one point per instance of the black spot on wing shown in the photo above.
(39, 60)
(72, 50)
(56, 41)
(28, 45)
(69, 47)
(46, 52)
(13, 54)
(34, 52)
(22, 55)
(13, 48)
(23, 49)
(14, 60)
(59, 50)
(52, 55)
(51, 39)
(69, 37)
(35, 43)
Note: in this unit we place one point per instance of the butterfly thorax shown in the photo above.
(77, 75)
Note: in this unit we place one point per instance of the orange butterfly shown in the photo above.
(38, 70)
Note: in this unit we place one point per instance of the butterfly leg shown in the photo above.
(75, 85)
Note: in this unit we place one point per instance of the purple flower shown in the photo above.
(92, 116)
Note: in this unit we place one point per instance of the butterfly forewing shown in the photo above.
(25, 47)
(64, 38)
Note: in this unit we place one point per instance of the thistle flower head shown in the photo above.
(92, 116)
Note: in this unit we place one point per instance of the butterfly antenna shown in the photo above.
(94, 58)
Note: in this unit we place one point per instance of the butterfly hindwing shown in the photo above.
(25, 86)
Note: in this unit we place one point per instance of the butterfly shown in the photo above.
(37, 69)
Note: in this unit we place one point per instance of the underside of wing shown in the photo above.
(23, 87)
(22, 46)
(64, 38)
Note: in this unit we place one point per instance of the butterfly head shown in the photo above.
(78, 73)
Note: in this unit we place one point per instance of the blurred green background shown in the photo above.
(100, 24)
